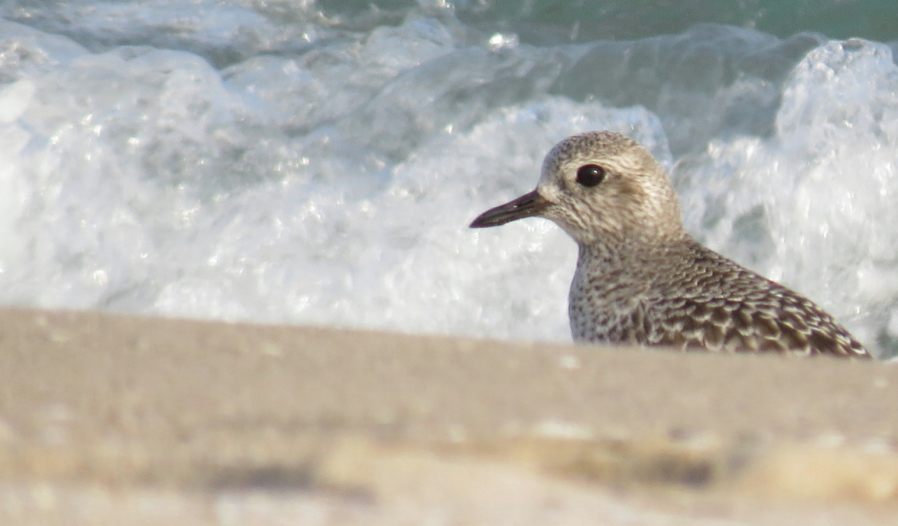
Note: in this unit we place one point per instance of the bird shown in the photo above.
(641, 279)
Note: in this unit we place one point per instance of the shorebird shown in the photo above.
(642, 279)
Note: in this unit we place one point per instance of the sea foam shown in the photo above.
(321, 176)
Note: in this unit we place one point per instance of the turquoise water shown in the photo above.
(556, 22)
(101, 25)
(319, 162)
(627, 20)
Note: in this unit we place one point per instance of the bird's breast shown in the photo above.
(604, 306)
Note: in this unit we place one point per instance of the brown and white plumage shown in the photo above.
(641, 278)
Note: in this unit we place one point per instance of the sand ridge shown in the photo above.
(207, 412)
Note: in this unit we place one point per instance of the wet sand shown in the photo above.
(114, 419)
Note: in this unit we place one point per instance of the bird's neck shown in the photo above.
(628, 252)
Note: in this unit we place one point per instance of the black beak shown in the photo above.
(528, 205)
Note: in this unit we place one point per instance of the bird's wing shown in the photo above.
(782, 323)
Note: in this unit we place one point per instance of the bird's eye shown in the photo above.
(590, 174)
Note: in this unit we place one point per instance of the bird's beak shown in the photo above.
(528, 205)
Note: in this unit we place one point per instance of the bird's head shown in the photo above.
(601, 188)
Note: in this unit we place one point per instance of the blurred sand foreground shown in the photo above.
(126, 420)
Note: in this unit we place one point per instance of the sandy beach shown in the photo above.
(108, 419)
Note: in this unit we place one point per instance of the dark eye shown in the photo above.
(590, 174)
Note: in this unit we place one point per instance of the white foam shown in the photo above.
(335, 186)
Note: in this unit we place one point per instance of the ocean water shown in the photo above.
(319, 162)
